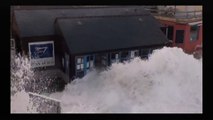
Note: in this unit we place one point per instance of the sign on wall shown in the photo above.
(41, 54)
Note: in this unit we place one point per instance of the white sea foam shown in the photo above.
(170, 81)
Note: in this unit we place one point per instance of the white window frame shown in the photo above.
(88, 66)
(132, 54)
(91, 63)
(79, 60)
(198, 31)
(78, 67)
(82, 66)
(116, 56)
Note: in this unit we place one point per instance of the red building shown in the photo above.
(182, 25)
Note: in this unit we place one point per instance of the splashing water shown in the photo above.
(24, 80)
(21, 80)
(21, 103)
(21, 74)
(170, 81)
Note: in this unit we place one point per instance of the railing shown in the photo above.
(44, 104)
(176, 14)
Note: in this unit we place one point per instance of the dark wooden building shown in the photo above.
(82, 38)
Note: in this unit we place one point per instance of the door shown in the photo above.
(179, 36)
(101, 60)
(170, 32)
(67, 66)
(114, 57)
(80, 66)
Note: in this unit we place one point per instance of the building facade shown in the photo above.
(78, 39)
(182, 25)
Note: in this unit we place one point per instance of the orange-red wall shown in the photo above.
(180, 27)
(187, 45)
(190, 46)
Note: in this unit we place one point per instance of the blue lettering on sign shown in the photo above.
(41, 50)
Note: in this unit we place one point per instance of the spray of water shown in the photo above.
(21, 74)
(24, 80)
(21, 80)
(169, 81)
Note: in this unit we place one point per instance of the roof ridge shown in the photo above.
(102, 16)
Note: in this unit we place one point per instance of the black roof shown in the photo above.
(94, 34)
(40, 21)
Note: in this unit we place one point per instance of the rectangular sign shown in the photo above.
(41, 54)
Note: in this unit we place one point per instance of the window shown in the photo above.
(124, 54)
(87, 65)
(163, 29)
(91, 57)
(87, 62)
(194, 32)
(170, 32)
(144, 52)
(67, 62)
(132, 54)
(79, 63)
(136, 52)
(87, 58)
(82, 66)
(116, 56)
(12, 43)
(78, 67)
(112, 55)
(79, 60)
(179, 36)
(63, 62)
(91, 63)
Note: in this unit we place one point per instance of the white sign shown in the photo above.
(41, 54)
